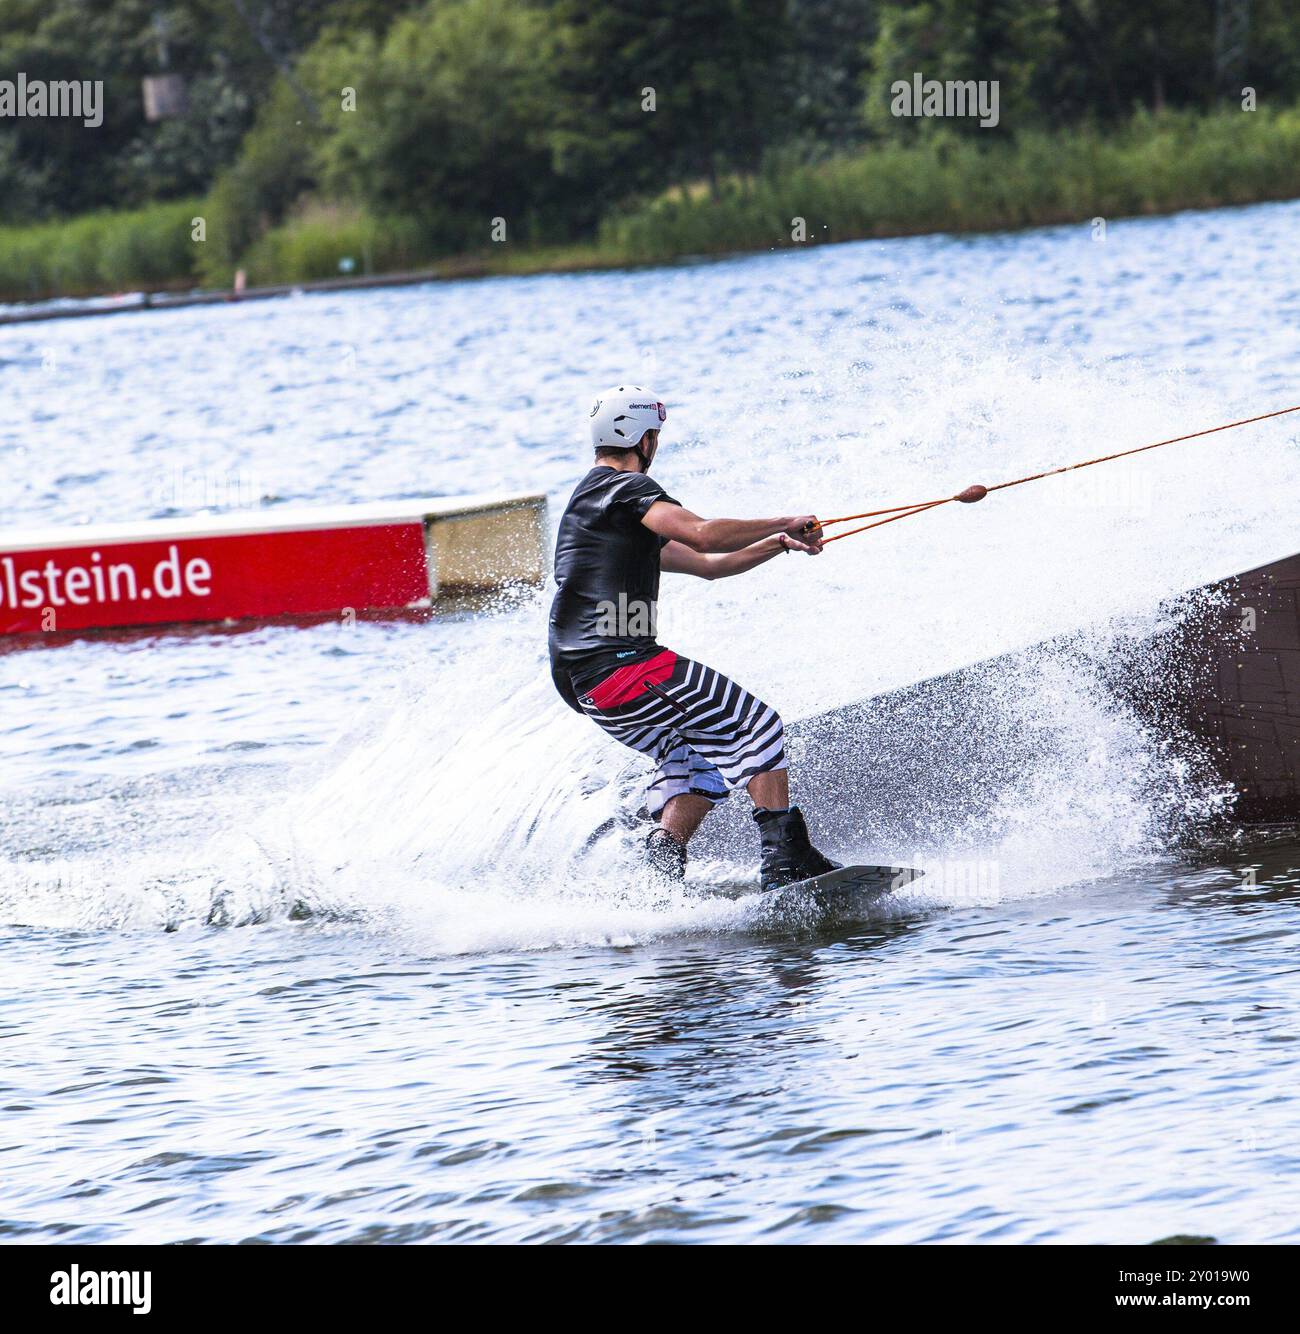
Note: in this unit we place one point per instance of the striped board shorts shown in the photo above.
(706, 735)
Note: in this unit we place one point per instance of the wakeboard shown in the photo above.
(842, 895)
(837, 897)
(851, 881)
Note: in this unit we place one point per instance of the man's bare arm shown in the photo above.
(678, 559)
(726, 535)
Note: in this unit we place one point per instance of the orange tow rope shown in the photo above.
(973, 493)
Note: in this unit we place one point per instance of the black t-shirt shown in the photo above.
(607, 569)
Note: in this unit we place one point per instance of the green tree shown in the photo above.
(458, 112)
(715, 70)
(829, 53)
(1060, 62)
(273, 170)
(1015, 42)
(229, 52)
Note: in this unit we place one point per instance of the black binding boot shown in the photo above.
(667, 857)
(788, 853)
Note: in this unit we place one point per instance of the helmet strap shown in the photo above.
(642, 455)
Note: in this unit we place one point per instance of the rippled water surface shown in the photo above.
(304, 933)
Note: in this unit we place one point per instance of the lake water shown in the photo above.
(303, 937)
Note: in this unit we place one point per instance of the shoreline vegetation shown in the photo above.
(1155, 163)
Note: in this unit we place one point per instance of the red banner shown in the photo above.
(212, 578)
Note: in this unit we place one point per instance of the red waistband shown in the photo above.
(629, 682)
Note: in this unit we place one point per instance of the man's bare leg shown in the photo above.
(682, 815)
(771, 790)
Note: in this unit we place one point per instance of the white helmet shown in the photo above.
(622, 415)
